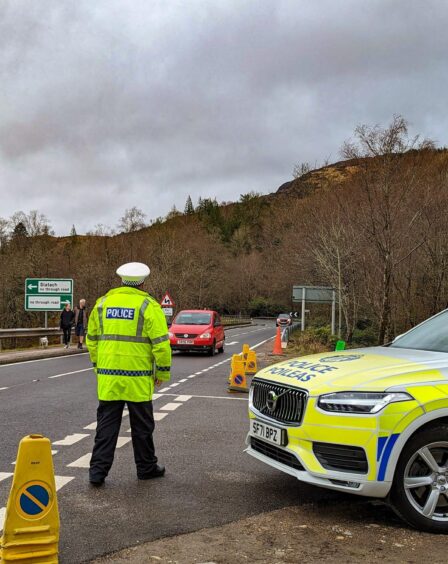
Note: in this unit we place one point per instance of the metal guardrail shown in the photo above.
(30, 333)
(289, 330)
(234, 319)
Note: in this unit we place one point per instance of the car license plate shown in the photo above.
(267, 433)
(185, 341)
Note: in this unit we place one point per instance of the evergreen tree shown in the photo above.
(73, 231)
(189, 208)
(20, 231)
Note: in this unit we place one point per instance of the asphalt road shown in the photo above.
(199, 437)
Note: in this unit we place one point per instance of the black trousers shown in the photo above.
(109, 416)
(67, 334)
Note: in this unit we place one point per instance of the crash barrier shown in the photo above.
(228, 320)
(31, 526)
(242, 366)
(29, 333)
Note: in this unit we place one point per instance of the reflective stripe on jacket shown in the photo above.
(128, 342)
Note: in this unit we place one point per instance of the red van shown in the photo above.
(197, 330)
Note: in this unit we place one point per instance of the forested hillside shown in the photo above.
(374, 226)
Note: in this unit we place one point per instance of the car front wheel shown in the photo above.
(420, 490)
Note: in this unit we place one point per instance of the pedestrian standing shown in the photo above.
(130, 350)
(66, 323)
(81, 322)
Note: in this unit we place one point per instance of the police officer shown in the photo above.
(130, 350)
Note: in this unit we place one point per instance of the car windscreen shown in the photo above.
(193, 318)
(432, 335)
(283, 316)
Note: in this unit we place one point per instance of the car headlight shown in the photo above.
(360, 402)
(205, 336)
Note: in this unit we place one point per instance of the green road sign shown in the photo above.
(48, 294)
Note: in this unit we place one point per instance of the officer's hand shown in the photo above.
(158, 383)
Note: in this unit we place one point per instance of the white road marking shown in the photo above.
(61, 481)
(183, 380)
(71, 439)
(91, 427)
(232, 343)
(68, 373)
(3, 389)
(196, 373)
(174, 385)
(155, 396)
(159, 416)
(211, 397)
(122, 441)
(165, 389)
(82, 462)
(2, 517)
(44, 359)
(170, 406)
(192, 376)
(182, 398)
(5, 475)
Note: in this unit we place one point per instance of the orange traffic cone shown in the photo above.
(277, 350)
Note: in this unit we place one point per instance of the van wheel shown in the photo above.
(420, 489)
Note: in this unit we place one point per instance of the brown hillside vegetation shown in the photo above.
(374, 227)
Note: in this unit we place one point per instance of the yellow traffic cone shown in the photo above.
(251, 363)
(31, 528)
(238, 381)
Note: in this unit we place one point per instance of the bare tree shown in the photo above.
(36, 223)
(387, 186)
(132, 220)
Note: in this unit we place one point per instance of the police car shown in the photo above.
(372, 422)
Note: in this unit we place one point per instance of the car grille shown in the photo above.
(277, 454)
(186, 335)
(290, 405)
(341, 457)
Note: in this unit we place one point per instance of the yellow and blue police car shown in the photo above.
(372, 421)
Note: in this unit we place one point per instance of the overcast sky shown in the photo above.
(109, 104)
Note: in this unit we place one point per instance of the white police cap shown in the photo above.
(133, 273)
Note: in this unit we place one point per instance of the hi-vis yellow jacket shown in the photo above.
(128, 342)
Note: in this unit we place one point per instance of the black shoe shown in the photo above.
(158, 472)
(96, 482)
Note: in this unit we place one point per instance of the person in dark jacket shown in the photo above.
(67, 319)
(81, 318)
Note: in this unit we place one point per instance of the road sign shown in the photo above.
(167, 301)
(48, 294)
(168, 311)
(34, 500)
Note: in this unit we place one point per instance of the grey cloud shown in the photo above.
(113, 104)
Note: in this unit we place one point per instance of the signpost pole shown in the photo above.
(303, 309)
(46, 320)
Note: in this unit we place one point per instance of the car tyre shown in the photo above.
(212, 350)
(221, 349)
(419, 493)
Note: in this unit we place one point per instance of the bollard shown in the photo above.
(340, 346)
(237, 379)
(251, 363)
(31, 527)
